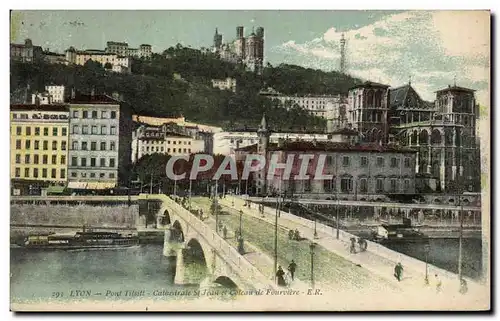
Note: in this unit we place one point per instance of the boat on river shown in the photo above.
(398, 233)
(80, 240)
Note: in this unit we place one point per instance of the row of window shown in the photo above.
(44, 159)
(46, 130)
(93, 162)
(92, 175)
(94, 114)
(94, 130)
(36, 144)
(346, 185)
(364, 161)
(43, 173)
(174, 142)
(162, 149)
(75, 145)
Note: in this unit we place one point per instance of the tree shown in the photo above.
(108, 66)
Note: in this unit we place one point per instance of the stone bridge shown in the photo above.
(202, 256)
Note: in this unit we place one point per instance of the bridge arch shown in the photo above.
(195, 261)
(177, 232)
(166, 217)
(226, 282)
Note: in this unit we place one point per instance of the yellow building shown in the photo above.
(38, 146)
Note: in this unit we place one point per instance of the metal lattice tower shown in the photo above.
(342, 55)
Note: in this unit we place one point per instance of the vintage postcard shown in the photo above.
(249, 160)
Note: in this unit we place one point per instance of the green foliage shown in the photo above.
(153, 90)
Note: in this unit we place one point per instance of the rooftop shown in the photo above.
(456, 88)
(93, 99)
(336, 146)
(50, 107)
(369, 84)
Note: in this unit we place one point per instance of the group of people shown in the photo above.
(294, 235)
(283, 278)
(362, 244)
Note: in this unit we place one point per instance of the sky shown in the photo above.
(432, 49)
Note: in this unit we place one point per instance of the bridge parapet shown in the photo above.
(235, 261)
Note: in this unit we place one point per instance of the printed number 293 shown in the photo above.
(57, 294)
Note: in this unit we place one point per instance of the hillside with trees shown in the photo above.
(178, 82)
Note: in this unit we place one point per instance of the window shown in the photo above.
(28, 131)
(45, 159)
(92, 162)
(112, 146)
(75, 113)
(18, 144)
(346, 184)
(84, 145)
(103, 145)
(64, 131)
(85, 114)
(75, 129)
(94, 114)
(104, 114)
(104, 130)
(111, 175)
(26, 159)
(174, 150)
(63, 159)
(112, 130)
(63, 173)
(406, 185)
(394, 162)
(54, 131)
(307, 185)
(364, 161)
(26, 172)
(380, 185)
(345, 161)
(113, 114)
(111, 162)
(83, 174)
(44, 172)
(36, 159)
(63, 145)
(168, 150)
(54, 159)
(102, 162)
(75, 145)
(18, 172)
(94, 130)
(407, 162)
(18, 130)
(37, 131)
(46, 131)
(27, 144)
(175, 142)
(85, 129)
(363, 186)
(18, 158)
(74, 174)
(93, 146)
(83, 161)
(74, 161)
(37, 145)
(54, 145)
(92, 175)
(184, 150)
(380, 161)
(101, 175)
(45, 145)
(394, 185)
(53, 173)
(35, 172)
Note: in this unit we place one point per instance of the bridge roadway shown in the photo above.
(76, 198)
(367, 204)
(186, 234)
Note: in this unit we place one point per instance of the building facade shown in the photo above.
(58, 93)
(26, 52)
(122, 49)
(317, 105)
(443, 133)
(118, 63)
(100, 142)
(248, 50)
(225, 84)
(147, 140)
(39, 146)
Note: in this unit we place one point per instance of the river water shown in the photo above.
(45, 275)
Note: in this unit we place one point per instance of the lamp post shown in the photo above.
(427, 248)
(241, 228)
(315, 232)
(312, 246)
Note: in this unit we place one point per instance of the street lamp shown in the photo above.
(427, 248)
(315, 232)
(312, 246)
(241, 230)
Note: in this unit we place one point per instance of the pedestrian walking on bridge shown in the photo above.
(398, 271)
